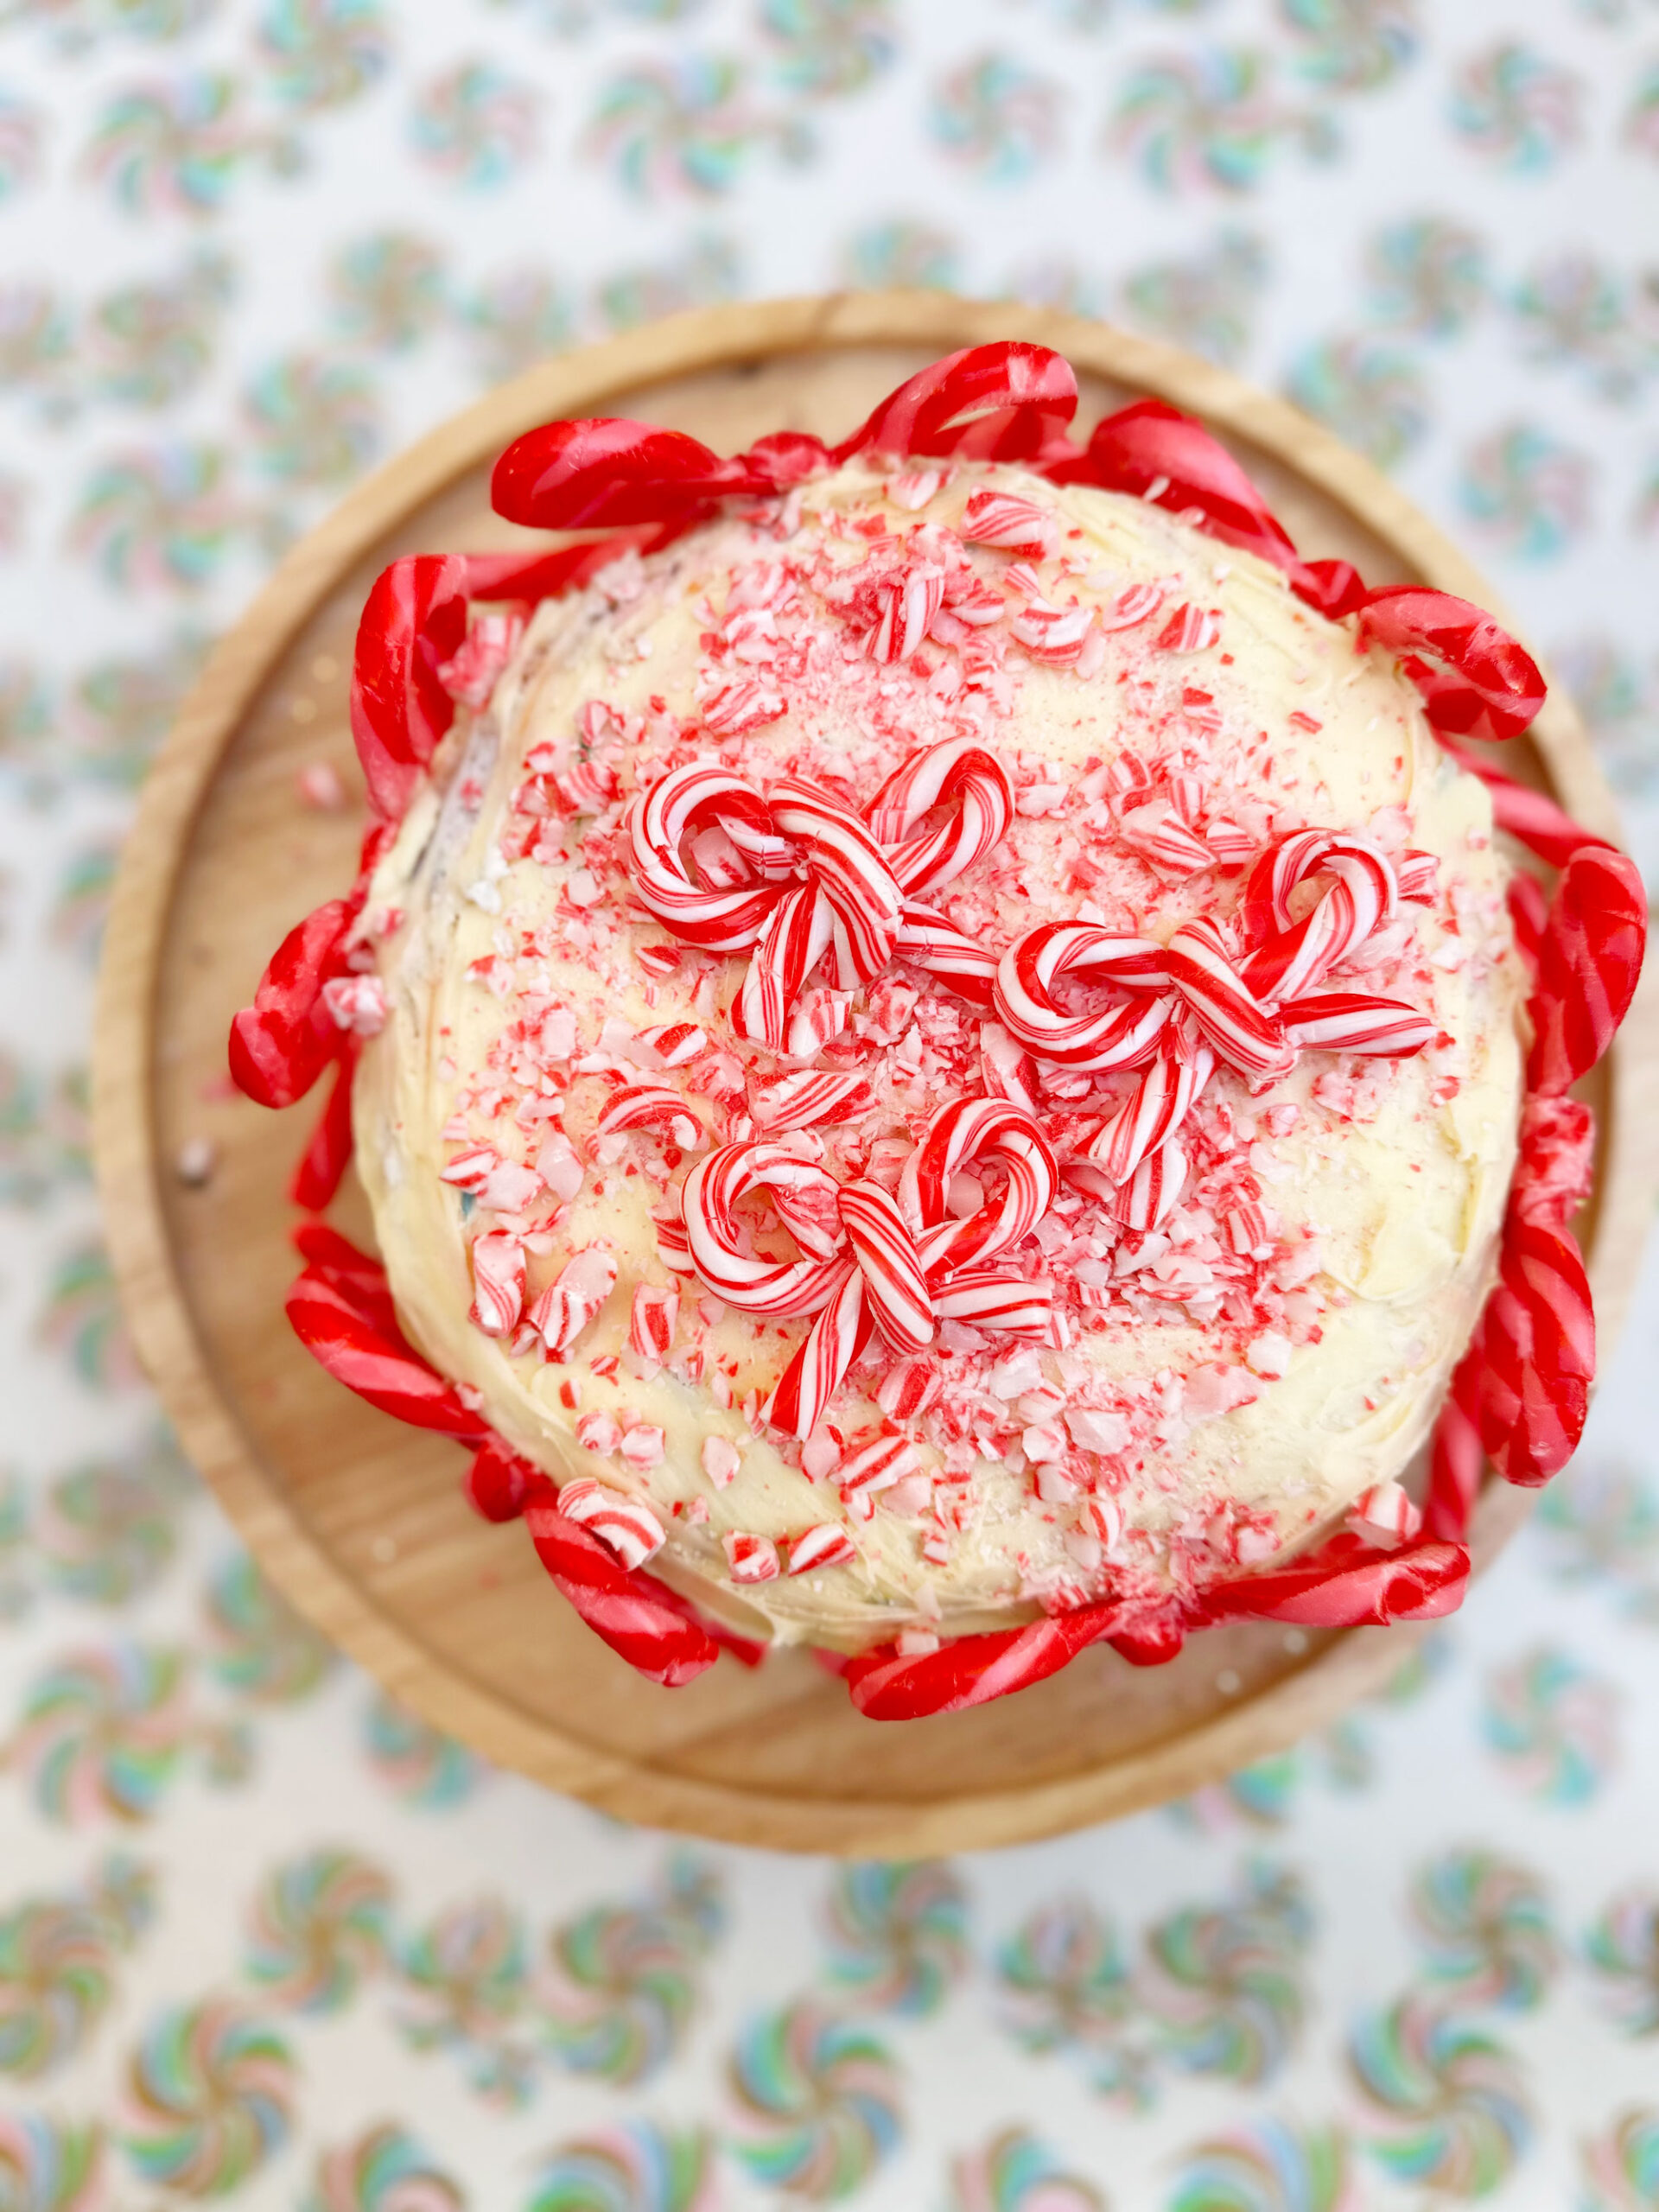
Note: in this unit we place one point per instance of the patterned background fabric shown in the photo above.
(263, 1936)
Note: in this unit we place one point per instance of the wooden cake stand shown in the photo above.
(360, 1522)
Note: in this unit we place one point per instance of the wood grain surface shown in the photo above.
(360, 1520)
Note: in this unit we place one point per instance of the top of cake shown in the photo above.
(854, 1086)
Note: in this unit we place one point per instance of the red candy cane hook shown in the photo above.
(1476, 680)
(1004, 402)
(1589, 963)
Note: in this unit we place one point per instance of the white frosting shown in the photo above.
(1223, 1408)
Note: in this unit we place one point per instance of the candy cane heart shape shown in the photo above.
(1118, 1035)
(966, 1133)
(719, 917)
(961, 771)
(1475, 679)
(805, 1198)
(1363, 894)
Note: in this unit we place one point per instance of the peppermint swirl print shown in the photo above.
(211, 2089)
(621, 1983)
(419, 1764)
(1226, 1982)
(637, 2167)
(1066, 1987)
(109, 1529)
(262, 1650)
(819, 2099)
(58, 1960)
(996, 118)
(384, 2169)
(898, 1934)
(1487, 1925)
(1452, 2113)
(50, 2166)
(1622, 1952)
(1516, 108)
(323, 54)
(1269, 2167)
(102, 1733)
(319, 1928)
(475, 126)
(1621, 2164)
(1554, 1726)
(464, 1981)
(1017, 2172)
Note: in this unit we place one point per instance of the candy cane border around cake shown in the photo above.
(1518, 1399)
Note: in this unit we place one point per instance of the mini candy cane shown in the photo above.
(1119, 1035)
(812, 1099)
(966, 1131)
(1345, 1585)
(1150, 1195)
(1348, 1021)
(360, 1349)
(624, 1525)
(960, 771)
(1290, 958)
(1156, 1109)
(1237, 1028)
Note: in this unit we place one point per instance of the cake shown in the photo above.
(944, 1048)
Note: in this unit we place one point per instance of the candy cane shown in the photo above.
(961, 770)
(1150, 1195)
(573, 1298)
(1589, 962)
(850, 870)
(1238, 1029)
(970, 1129)
(643, 1623)
(1477, 682)
(1160, 1103)
(498, 1282)
(1346, 1022)
(712, 1192)
(1291, 958)
(685, 801)
(1003, 401)
(812, 1099)
(624, 1525)
(828, 1545)
(651, 1321)
(1118, 1035)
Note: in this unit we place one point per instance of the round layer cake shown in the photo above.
(942, 1049)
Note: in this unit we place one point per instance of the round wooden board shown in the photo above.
(360, 1520)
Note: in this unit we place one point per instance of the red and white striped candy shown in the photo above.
(1347, 1021)
(1157, 832)
(625, 1526)
(1009, 522)
(1236, 1026)
(842, 1328)
(652, 1319)
(1015, 1304)
(571, 1300)
(686, 802)
(877, 1467)
(710, 1200)
(967, 1131)
(750, 1557)
(959, 771)
(932, 943)
(1134, 605)
(673, 1246)
(1290, 957)
(1149, 1196)
(1052, 634)
(828, 1545)
(909, 1387)
(1190, 629)
(1006, 1069)
(902, 608)
(886, 1251)
(1156, 1109)
(813, 1099)
(1118, 1034)
(498, 1282)
(649, 1106)
(1384, 1514)
(673, 1044)
(741, 706)
(1417, 877)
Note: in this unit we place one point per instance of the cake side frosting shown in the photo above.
(1213, 1389)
